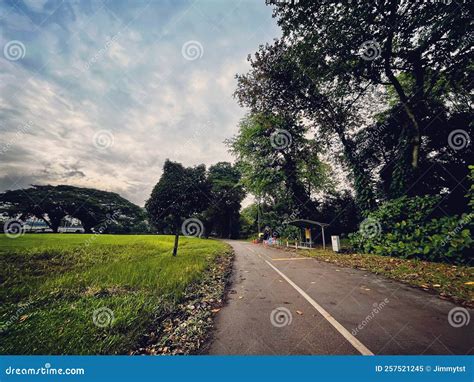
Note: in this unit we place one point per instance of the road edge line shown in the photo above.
(341, 329)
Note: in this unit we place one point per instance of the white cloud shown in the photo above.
(88, 70)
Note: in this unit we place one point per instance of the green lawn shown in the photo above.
(52, 284)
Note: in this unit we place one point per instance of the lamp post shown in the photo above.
(258, 216)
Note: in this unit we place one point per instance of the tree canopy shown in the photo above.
(277, 161)
(379, 90)
(180, 193)
(196, 202)
(52, 203)
(346, 69)
(226, 195)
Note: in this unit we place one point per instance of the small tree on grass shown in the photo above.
(180, 193)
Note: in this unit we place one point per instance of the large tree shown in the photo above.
(281, 83)
(94, 207)
(180, 193)
(52, 203)
(334, 55)
(226, 194)
(277, 161)
(421, 50)
(38, 201)
(444, 167)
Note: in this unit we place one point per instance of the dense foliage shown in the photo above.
(384, 90)
(195, 202)
(279, 163)
(415, 228)
(226, 193)
(180, 193)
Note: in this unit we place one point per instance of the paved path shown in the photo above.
(317, 306)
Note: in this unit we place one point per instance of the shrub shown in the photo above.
(410, 228)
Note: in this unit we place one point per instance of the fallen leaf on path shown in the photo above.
(299, 312)
(215, 310)
(241, 297)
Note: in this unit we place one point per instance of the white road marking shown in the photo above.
(290, 258)
(341, 329)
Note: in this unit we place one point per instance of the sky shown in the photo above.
(100, 93)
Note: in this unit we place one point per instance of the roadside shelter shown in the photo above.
(307, 230)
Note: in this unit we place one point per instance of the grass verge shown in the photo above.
(450, 282)
(94, 294)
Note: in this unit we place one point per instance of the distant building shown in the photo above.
(68, 225)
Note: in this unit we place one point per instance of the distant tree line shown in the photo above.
(92, 207)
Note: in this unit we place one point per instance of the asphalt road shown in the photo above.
(283, 303)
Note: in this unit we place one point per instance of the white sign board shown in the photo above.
(336, 244)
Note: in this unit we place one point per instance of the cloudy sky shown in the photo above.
(99, 93)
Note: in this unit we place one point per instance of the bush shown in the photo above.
(410, 228)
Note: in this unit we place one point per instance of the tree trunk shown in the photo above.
(362, 181)
(300, 199)
(408, 106)
(176, 239)
(415, 135)
(51, 223)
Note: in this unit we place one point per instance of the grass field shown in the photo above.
(91, 294)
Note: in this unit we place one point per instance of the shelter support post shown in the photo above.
(324, 240)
